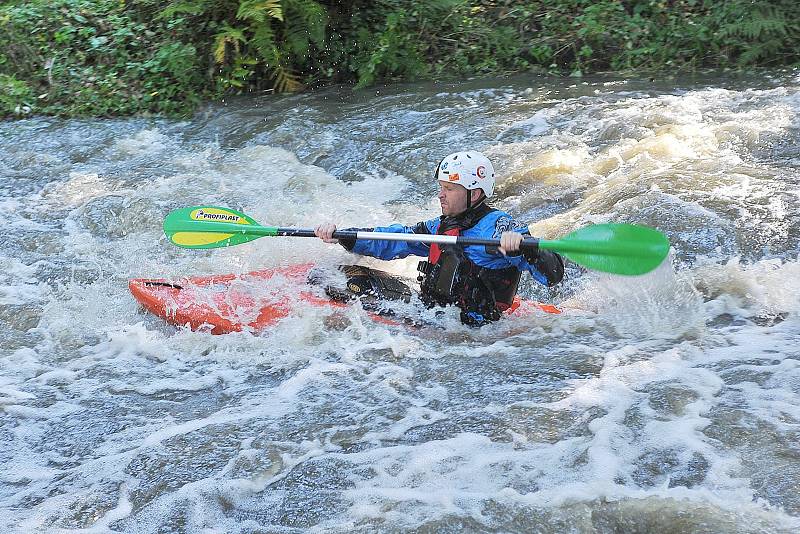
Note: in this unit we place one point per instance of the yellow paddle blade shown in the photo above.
(195, 227)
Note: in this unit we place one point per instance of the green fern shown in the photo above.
(305, 24)
(260, 10)
(310, 16)
(264, 42)
(285, 81)
(758, 31)
(762, 51)
(273, 30)
(758, 21)
(228, 36)
(184, 7)
(400, 46)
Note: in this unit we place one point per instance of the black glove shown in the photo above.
(550, 264)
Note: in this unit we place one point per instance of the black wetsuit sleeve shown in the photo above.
(348, 244)
(550, 264)
(421, 228)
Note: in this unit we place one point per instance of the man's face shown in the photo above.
(452, 198)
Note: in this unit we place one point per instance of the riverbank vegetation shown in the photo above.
(123, 57)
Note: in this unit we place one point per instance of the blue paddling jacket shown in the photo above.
(478, 279)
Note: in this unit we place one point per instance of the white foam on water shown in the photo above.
(19, 284)
(688, 144)
(675, 396)
(661, 304)
(77, 190)
(767, 286)
(416, 483)
(536, 124)
(143, 142)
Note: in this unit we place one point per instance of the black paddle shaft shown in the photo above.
(527, 243)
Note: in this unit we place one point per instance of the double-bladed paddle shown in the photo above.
(613, 248)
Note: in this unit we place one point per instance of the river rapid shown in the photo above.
(668, 402)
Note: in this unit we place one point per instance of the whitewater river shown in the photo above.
(663, 403)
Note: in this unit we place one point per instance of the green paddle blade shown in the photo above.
(613, 248)
(199, 227)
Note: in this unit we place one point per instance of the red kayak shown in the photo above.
(253, 301)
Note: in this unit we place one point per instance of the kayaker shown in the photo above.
(482, 281)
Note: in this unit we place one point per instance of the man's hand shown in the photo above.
(509, 243)
(325, 232)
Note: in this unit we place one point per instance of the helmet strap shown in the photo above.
(438, 166)
(469, 199)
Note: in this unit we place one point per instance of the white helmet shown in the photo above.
(471, 169)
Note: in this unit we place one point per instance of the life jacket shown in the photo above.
(450, 277)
